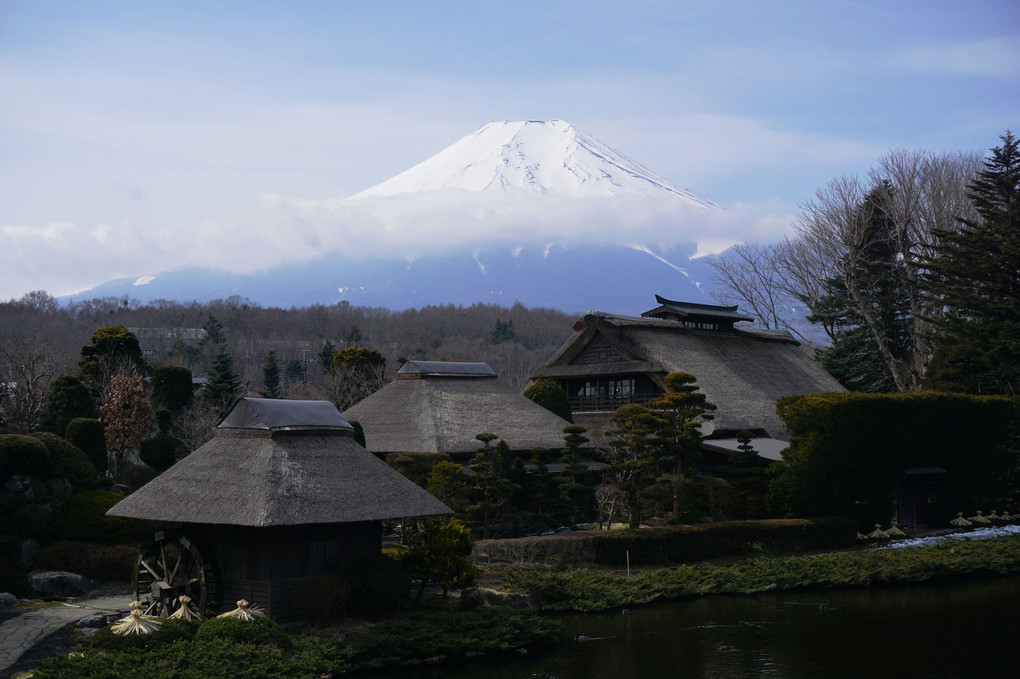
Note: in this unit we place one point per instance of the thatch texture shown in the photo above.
(277, 477)
(742, 371)
(442, 413)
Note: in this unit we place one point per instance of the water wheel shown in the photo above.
(168, 568)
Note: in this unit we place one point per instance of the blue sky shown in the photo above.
(129, 129)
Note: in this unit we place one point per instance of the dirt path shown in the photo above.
(21, 633)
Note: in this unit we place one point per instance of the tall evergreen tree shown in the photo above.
(223, 386)
(271, 377)
(976, 274)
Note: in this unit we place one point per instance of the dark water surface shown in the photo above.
(958, 629)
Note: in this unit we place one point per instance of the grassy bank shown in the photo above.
(244, 650)
(593, 590)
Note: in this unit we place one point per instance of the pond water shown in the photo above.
(958, 629)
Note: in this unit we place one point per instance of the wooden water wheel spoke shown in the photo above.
(168, 569)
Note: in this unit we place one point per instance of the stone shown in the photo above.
(7, 600)
(95, 620)
(60, 583)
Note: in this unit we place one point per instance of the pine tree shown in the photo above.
(976, 274)
(576, 493)
(223, 386)
(271, 377)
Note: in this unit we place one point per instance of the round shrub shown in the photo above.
(550, 396)
(260, 631)
(159, 452)
(378, 582)
(25, 454)
(87, 435)
(169, 632)
(137, 475)
(83, 517)
(67, 461)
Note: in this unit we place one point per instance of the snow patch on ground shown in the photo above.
(976, 534)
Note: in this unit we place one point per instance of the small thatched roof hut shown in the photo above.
(282, 493)
(441, 406)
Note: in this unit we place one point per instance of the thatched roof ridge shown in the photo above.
(696, 310)
(414, 369)
(444, 414)
(259, 477)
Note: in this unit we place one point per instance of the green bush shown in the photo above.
(93, 560)
(66, 399)
(260, 631)
(172, 387)
(87, 435)
(33, 520)
(321, 599)
(378, 582)
(137, 475)
(848, 451)
(25, 455)
(686, 544)
(552, 397)
(83, 518)
(169, 632)
(67, 461)
(159, 452)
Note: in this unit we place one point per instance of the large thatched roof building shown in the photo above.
(440, 406)
(283, 492)
(611, 360)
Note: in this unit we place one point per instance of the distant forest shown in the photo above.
(39, 331)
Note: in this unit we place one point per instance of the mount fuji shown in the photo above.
(533, 212)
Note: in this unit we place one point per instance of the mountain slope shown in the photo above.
(538, 157)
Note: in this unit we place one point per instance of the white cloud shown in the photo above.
(997, 57)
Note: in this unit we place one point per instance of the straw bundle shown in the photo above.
(185, 612)
(136, 622)
(243, 612)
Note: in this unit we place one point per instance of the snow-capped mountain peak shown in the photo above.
(533, 156)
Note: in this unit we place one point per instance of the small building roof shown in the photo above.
(277, 413)
(274, 472)
(442, 412)
(672, 309)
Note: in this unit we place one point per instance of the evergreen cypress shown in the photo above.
(223, 386)
(271, 377)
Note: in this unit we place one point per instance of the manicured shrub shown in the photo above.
(83, 518)
(321, 599)
(172, 387)
(25, 455)
(93, 560)
(159, 452)
(170, 631)
(261, 631)
(67, 461)
(848, 452)
(66, 399)
(550, 396)
(377, 583)
(137, 475)
(87, 435)
(33, 520)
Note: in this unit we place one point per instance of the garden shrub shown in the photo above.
(33, 520)
(137, 475)
(93, 560)
(67, 461)
(260, 631)
(848, 451)
(87, 435)
(552, 397)
(25, 455)
(83, 518)
(321, 599)
(377, 583)
(170, 631)
(159, 452)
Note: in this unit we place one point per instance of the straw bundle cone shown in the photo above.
(136, 622)
(979, 518)
(894, 531)
(243, 612)
(960, 521)
(185, 612)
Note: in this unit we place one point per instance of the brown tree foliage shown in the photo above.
(127, 418)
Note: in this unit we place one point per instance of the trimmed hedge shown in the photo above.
(25, 455)
(96, 561)
(848, 451)
(170, 631)
(67, 461)
(87, 435)
(261, 631)
(83, 518)
(674, 544)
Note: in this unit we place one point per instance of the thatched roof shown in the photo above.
(279, 476)
(443, 412)
(742, 371)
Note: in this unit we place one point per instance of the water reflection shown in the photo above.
(942, 630)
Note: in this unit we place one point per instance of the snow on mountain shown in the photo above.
(534, 156)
